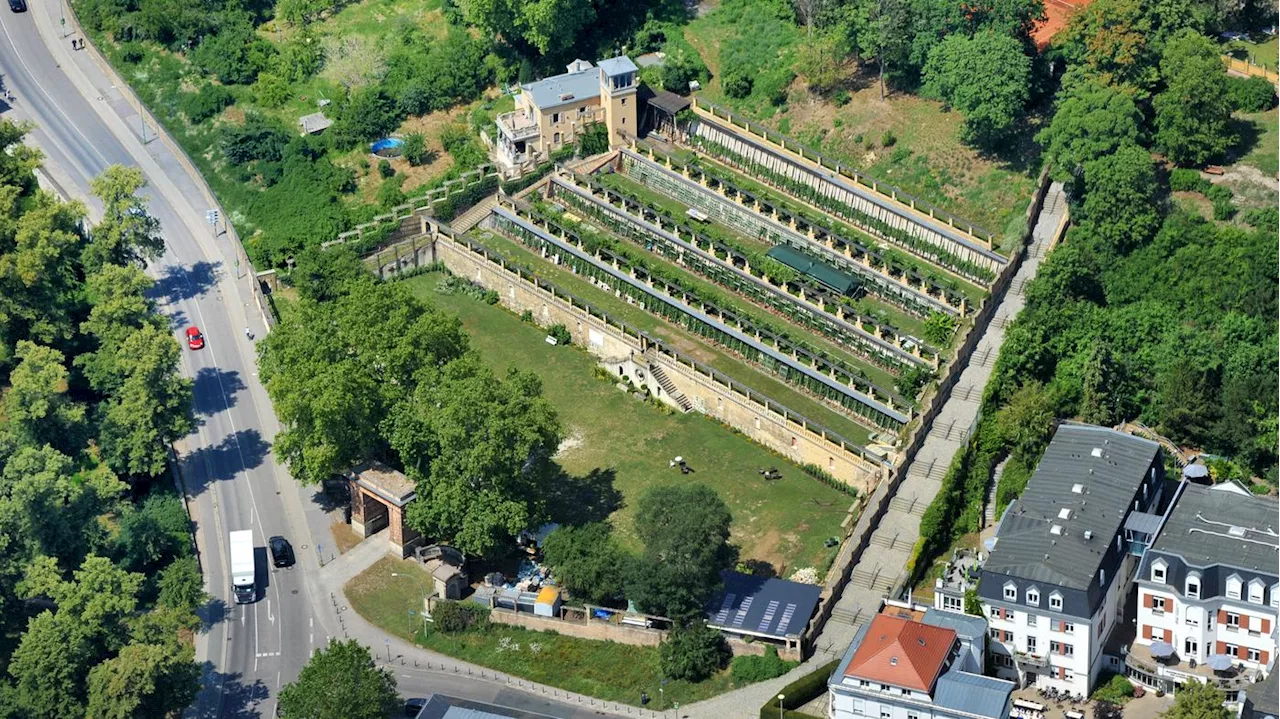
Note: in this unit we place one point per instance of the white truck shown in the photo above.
(242, 567)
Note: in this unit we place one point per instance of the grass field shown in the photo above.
(683, 341)
(783, 523)
(1265, 53)
(1264, 154)
(605, 670)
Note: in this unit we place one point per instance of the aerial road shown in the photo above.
(83, 124)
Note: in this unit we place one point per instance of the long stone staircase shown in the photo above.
(669, 387)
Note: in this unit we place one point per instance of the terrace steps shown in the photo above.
(472, 217)
(669, 387)
(914, 505)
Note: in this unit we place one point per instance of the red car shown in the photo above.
(195, 340)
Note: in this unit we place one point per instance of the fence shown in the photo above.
(1248, 67)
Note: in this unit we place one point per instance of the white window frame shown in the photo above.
(1033, 597)
(1159, 571)
(1055, 601)
(952, 604)
(1230, 624)
(1031, 644)
(885, 712)
(1068, 628)
(1254, 655)
(1193, 581)
(1011, 592)
(1234, 586)
(1158, 605)
(1031, 619)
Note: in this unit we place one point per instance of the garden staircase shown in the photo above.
(670, 387)
(473, 216)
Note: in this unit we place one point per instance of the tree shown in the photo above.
(986, 77)
(235, 54)
(120, 307)
(481, 449)
(1092, 120)
(821, 59)
(144, 681)
(1193, 113)
(36, 402)
(49, 666)
(340, 682)
(181, 585)
(272, 90)
(368, 114)
(1121, 192)
(99, 598)
(685, 530)
(154, 534)
(353, 60)
(39, 268)
(692, 653)
(888, 35)
(415, 149)
(1112, 40)
(1197, 700)
(321, 275)
(545, 26)
(45, 495)
(587, 561)
(127, 234)
(151, 408)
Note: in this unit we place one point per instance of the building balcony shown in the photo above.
(1176, 670)
(517, 125)
(1031, 660)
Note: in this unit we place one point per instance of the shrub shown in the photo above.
(131, 52)
(1184, 180)
(451, 617)
(271, 90)
(595, 140)
(1115, 690)
(692, 653)
(390, 193)
(888, 139)
(415, 148)
(561, 334)
(257, 139)
(385, 169)
(749, 669)
(801, 691)
(527, 316)
(1254, 94)
(204, 104)
(841, 98)
(772, 84)
(737, 83)
(1221, 196)
(1266, 218)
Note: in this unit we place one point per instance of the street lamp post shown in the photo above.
(780, 710)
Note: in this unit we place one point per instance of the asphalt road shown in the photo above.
(83, 125)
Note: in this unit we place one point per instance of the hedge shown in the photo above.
(457, 203)
(800, 692)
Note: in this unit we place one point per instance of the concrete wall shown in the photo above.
(766, 423)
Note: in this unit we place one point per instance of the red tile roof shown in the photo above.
(1057, 13)
(901, 652)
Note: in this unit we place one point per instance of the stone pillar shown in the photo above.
(357, 509)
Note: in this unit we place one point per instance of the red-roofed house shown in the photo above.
(917, 663)
(1056, 15)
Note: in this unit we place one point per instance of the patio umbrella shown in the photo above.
(1160, 650)
(1219, 662)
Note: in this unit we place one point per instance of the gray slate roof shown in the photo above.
(440, 706)
(966, 626)
(1264, 698)
(1110, 466)
(565, 88)
(1199, 530)
(973, 693)
(618, 65)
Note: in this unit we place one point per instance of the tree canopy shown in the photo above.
(1193, 112)
(587, 561)
(987, 77)
(340, 681)
(685, 530)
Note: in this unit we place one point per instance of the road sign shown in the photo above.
(211, 216)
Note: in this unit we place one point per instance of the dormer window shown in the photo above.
(1233, 586)
(1011, 592)
(1255, 591)
(1033, 597)
(1193, 586)
(1158, 571)
(1055, 601)
(1275, 595)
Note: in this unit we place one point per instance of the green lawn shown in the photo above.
(606, 670)
(1264, 154)
(783, 523)
(683, 341)
(1261, 53)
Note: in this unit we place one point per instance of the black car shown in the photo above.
(413, 707)
(281, 552)
(18, 5)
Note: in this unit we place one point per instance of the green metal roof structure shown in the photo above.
(817, 269)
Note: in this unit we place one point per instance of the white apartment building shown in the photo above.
(1209, 585)
(1055, 583)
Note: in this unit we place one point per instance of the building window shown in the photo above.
(1255, 592)
(555, 118)
(557, 138)
(624, 102)
(1233, 651)
(1009, 637)
(1011, 592)
(1055, 647)
(885, 713)
(1033, 597)
(1191, 647)
(995, 634)
(1011, 616)
(1158, 572)
(952, 604)
(1157, 605)
(1233, 620)
(1068, 675)
(1031, 620)
(1068, 627)
(1031, 644)
(1055, 601)
(1193, 587)
(1068, 650)
(1254, 655)
(1233, 587)
(913, 714)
